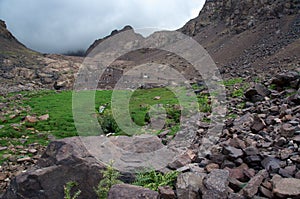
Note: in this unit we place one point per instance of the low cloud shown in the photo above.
(56, 26)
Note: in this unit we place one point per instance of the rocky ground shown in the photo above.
(257, 155)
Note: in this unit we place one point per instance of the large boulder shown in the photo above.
(81, 158)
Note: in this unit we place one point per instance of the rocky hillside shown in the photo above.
(24, 69)
(249, 36)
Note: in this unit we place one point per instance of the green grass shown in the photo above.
(59, 107)
(236, 87)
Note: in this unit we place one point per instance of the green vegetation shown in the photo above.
(61, 123)
(152, 179)
(236, 87)
(67, 190)
(58, 105)
(110, 178)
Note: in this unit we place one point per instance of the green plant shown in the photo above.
(110, 178)
(238, 93)
(67, 190)
(152, 179)
(108, 123)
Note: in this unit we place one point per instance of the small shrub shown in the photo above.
(67, 190)
(108, 123)
(152, 179)
(110, 178)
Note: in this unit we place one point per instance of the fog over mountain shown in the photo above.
(55, 26)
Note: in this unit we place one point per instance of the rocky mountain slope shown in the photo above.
(251, 36)
(24, 69)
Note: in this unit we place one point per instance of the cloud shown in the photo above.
(57, 26)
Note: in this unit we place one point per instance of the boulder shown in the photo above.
(80, 159)
(127, 191)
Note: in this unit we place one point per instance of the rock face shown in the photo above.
(80, 160)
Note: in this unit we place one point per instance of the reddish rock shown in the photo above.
(252, 186)
(166, 192)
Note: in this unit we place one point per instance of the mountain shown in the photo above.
(252, 36)
(25, 69)
(245, 38)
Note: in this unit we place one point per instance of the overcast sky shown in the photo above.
(58, 26)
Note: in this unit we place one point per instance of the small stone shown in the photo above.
(19, 147)
(238, 173)
(281, 141)
(216, 184)
(44, 117)
(25, 159)
(288, 171)
(166, 192)
(285, 153)
(251, 151)
(212, 166)
(252, 186)
(295, 158)
(271, 164)
(157, 98)
(258, 124)
(31, 119)
(3, 148)
(274, 109)
(232, 152)
(297, 139)
(253, 160)
(33, 151)
(182, 160)
(3, 176)
(266, 192)
(297, 175)
(287, 130)
(286, 187)
(188, 185)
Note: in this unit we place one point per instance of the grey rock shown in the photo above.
(262, 90)
(271, 164)
(189, 184)
(216, 184)
(251, 151)
(127, 191)
(232, 152)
